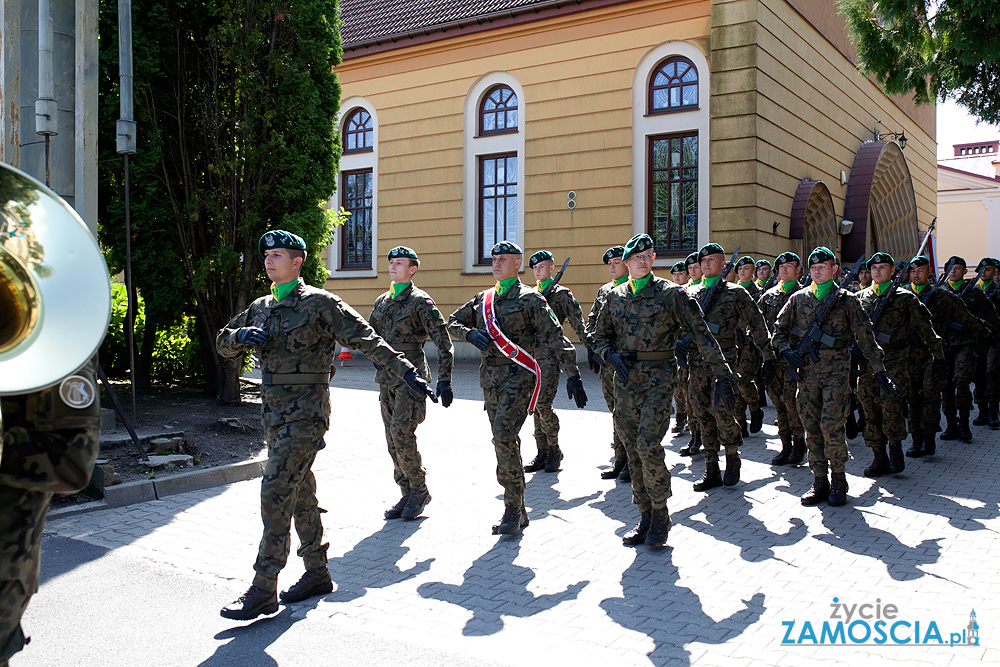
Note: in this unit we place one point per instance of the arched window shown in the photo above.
(358, 135)
(673, 86)
(498, 111)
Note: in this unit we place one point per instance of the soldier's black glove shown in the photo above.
(887, 385)
(794, 359)
(939, 371)
(418, 386)
(480, 338)
(253, 336)
(725, 396)
(445, 393)
(574, 390)
(857, 358)
(682, 350)
(619, 362)
(594, 361)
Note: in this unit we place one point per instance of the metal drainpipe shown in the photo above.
(45, 103)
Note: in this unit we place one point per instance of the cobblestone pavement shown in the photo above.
(743, 562)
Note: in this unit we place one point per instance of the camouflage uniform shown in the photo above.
(987, 377)
(960, 353)
(526, 319)
(49, 447)
(607, 373)
(303, 330)
(649, 323)
(781, 387)
(406, 322)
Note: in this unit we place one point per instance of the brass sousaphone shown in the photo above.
(55, 294)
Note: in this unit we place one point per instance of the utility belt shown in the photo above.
(270, 379)
(826, 341)
(407, 347)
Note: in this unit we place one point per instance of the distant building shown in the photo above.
(969, 203)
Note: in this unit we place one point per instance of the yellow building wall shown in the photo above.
(962, 231)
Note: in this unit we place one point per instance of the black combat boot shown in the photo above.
(554, 459)
(761, 396)
(415, 504)
(756, 420)
(513, 520)
(896, 461)
(626, 475)
(251, 604)
(951, 432)
(916, 450)
(983, 418)
(929, 446)
(820, 490)
(712, 477)
(317, 582)
(851, 428)
(964, 432)
(743, 425)
(538, 462)
(638, 534)
(732, 469)
(659, 526)
(798, 450)
(880, 463)
(692, 447)
(616, 470)
(681, 423)
(838, 489)
(396, 510)
(994, 416)
(786, 450)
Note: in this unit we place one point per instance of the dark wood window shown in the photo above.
(672, 210)
(497, 203)
(498, 111)
(356, 235)
(358, 134)
(674, 86)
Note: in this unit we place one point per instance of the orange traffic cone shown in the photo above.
(344, 356)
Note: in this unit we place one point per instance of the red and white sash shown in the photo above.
(509, 348)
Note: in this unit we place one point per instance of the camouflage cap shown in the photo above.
(762, 262)
(691, 259)
(881, 258)
(821, 254)
(955, 259)
(744, 260)
(539, 256)
(401, 252)
(679, 267)
(506, 248)
(612, 252)
(920, 260)
(279, 238)
(785, 258)
(710, 249)
(637, 243)
(986, 261)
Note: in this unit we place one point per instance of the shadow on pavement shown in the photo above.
(64, 554)
(542, 497)
(249, 642)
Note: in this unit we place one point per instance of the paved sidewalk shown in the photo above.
(443, 590)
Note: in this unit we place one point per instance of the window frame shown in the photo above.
(481, 111)
(345, 265)
(370, 128)
(676, 58)
(482, 259)
(651, 182)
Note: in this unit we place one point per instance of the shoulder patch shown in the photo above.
(77, 392)
(681, 289)
(430, 302)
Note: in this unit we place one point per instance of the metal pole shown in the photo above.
(45, 103)
(126, 146)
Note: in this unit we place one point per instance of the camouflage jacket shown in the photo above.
(525, 318)
(49, 446)
(845, 323)
(980, 307)
(566, 307)
(600, 301)
(652, 321)
(406, 323)
(733, 312)
(771, 302)
(949, 315)
(903, 319)
(304, 329)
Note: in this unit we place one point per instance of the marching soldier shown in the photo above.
(619, 274)
(781, 386)
(694, 269)
(928, 379)
(745, 271)
(679, 274)
(505, 323)
(295, 330)
(822, 386)
(749, 366)
(864, 277)
(565, 306)
(987, 378)
(683, 374)
(406, 317)
(902, 316)
(763, 272)
(732, 311)
(636, 335)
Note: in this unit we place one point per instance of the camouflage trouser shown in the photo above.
(401, 414)
(884, 420)
(924, 399)
(14, 597)
(781, 389)
(546, 421)
(608, 387)
(821, 399)
(642, 417)
(961, 360)
(507, 407)
(717, 426)
(747, 369)
(288, 491)
(681, 392)
(987, 377)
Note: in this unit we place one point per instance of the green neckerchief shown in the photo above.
(880, 288)
(821, 290)
(637, 285)
(279, 292)
(619, 281)
(985, 284)
(543, 284)
(505, 285)
(786, 285)
(746, 286)
(395, 289)
(708, 281)
(957, 285)
(695, 282)
(761, 282)
(919, 288)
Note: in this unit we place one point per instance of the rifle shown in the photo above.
(883, 300)
(555, 281)
(814, 336)
(944, 274)
(684, 342)
(771, 282)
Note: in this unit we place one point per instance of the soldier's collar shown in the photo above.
(395, 289)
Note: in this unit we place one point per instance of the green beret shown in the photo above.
(506, 248)
(402, 252)
(821, 254)
(679, 267)
(691, 259)
(920, 260)
(955, 259)
(279, 238)
(881, 258)
(539, 256)
(637, 243)
(986, 261)
(612, 252)
(744, 260)
(710, 249)
(762, 262)
(785, 258)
